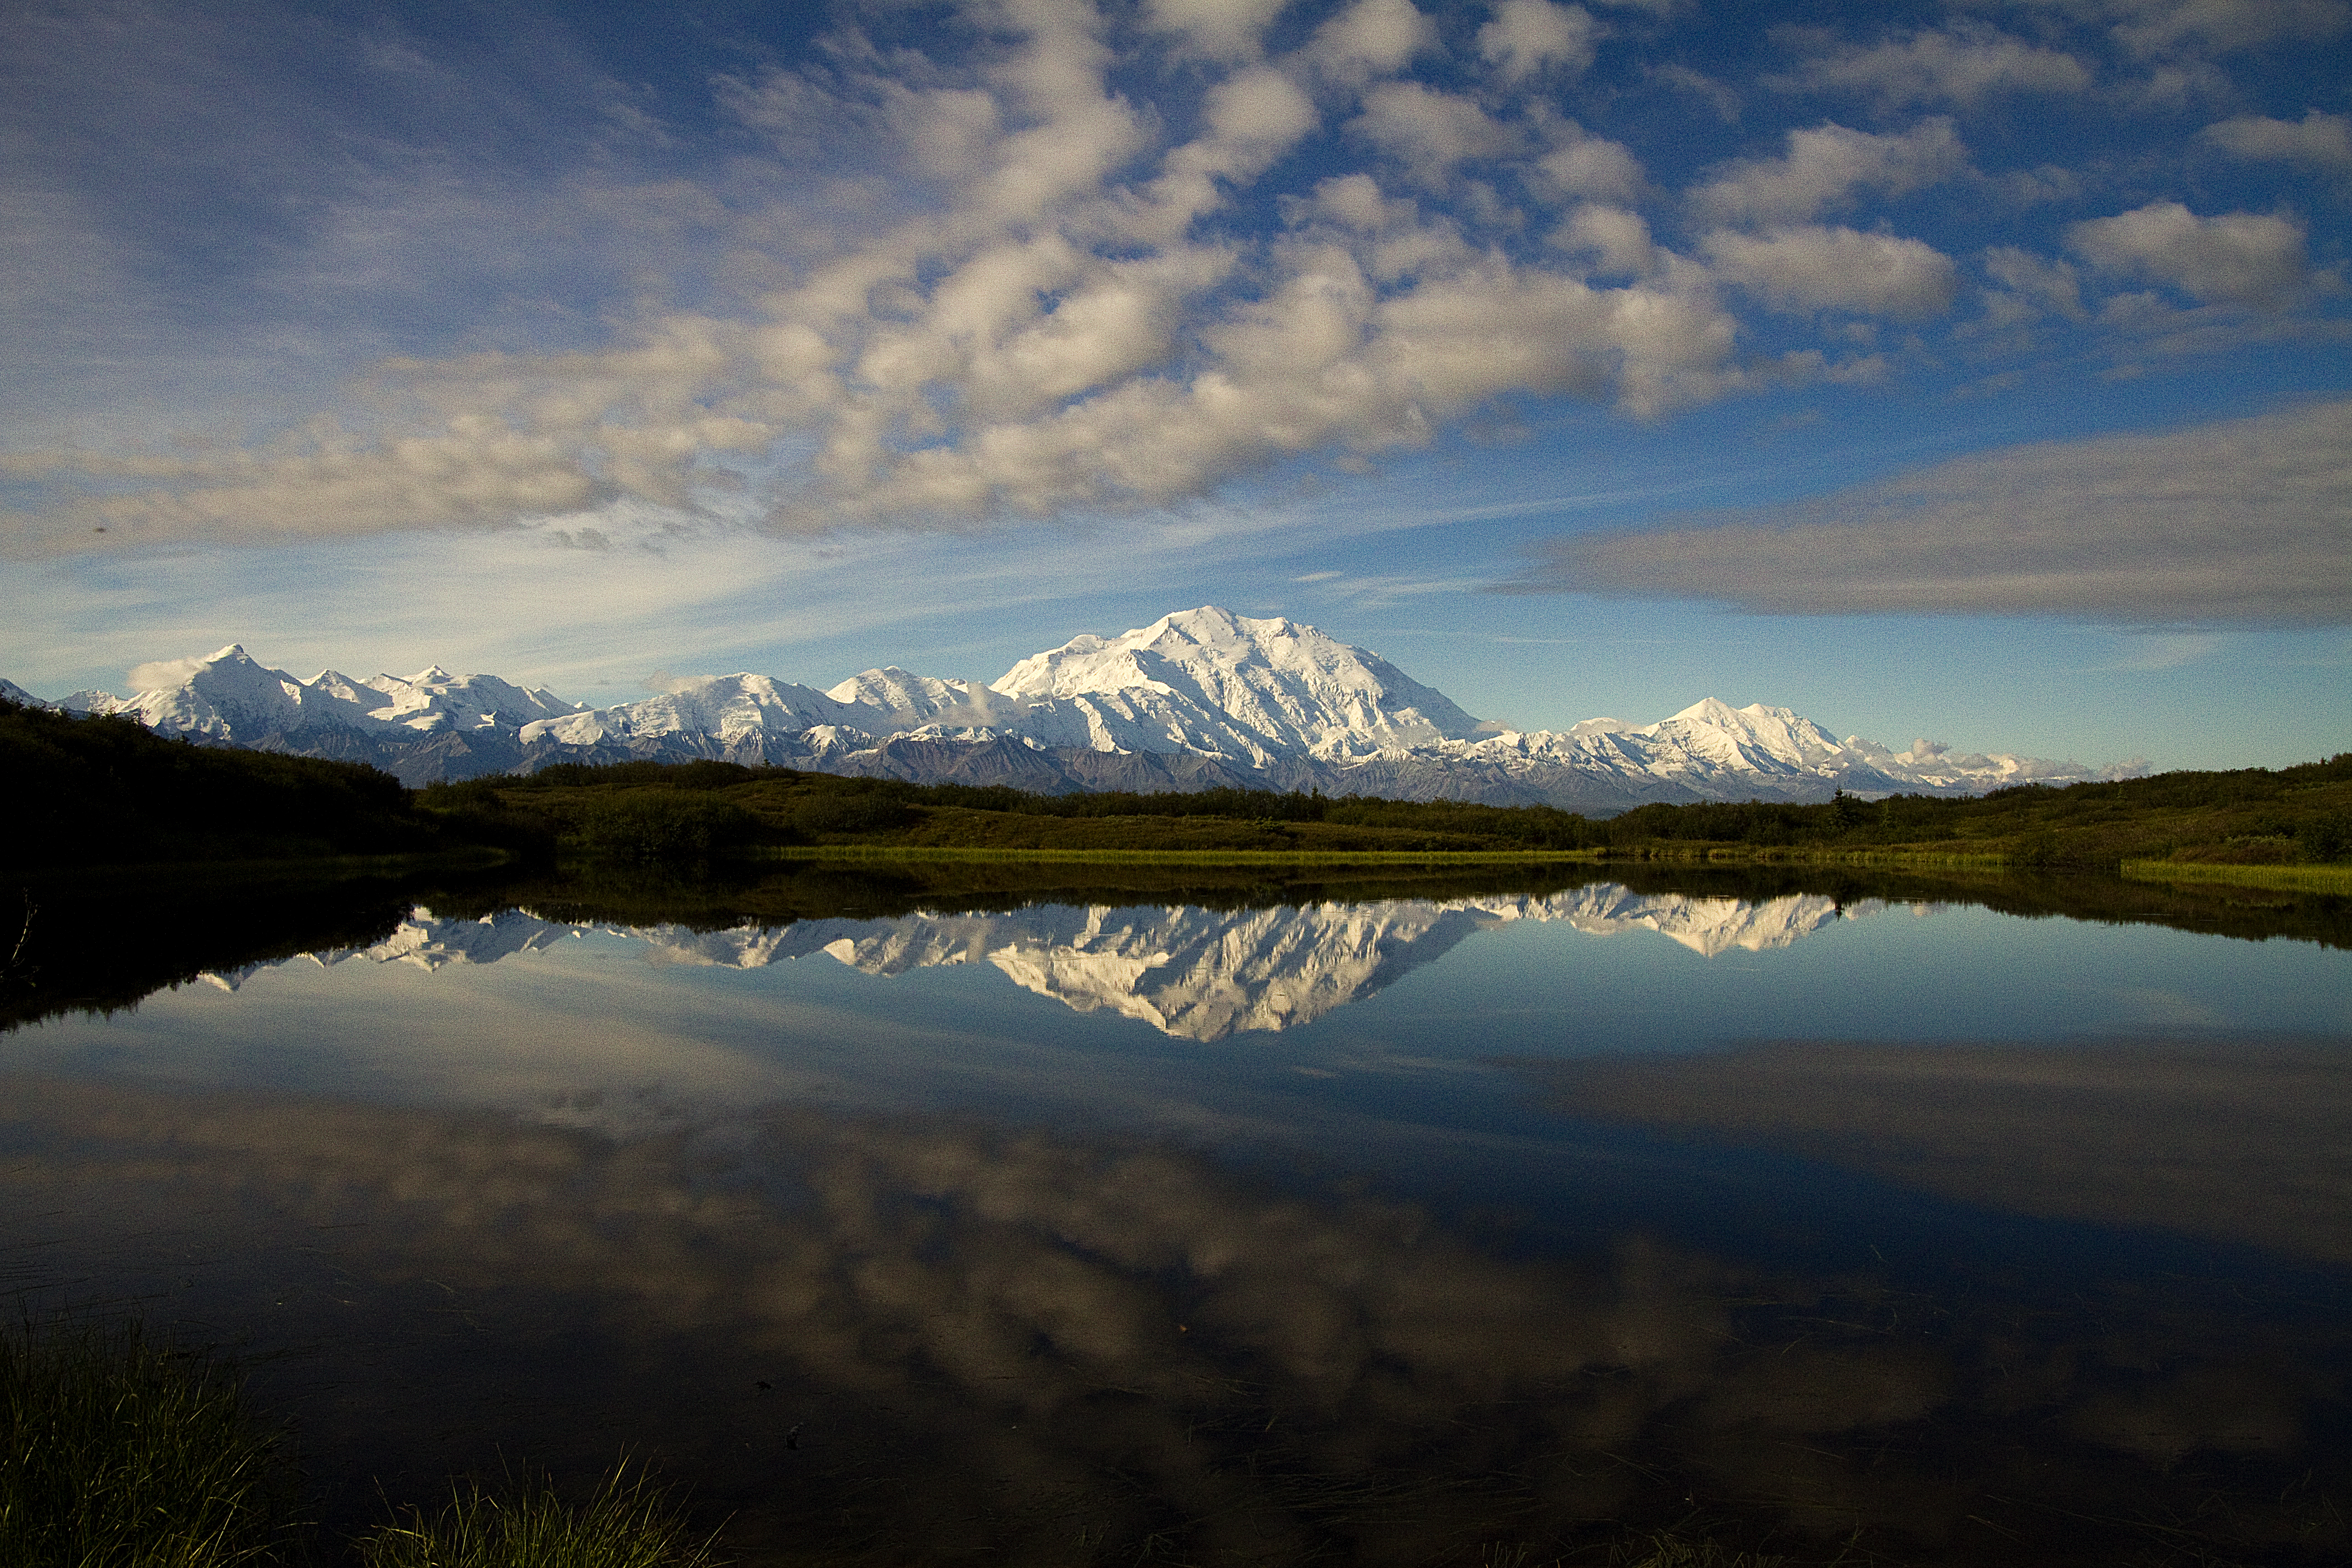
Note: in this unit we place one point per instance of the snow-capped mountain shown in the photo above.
(1214, 683)
(1191, 972)
(1197, 699)
(232, 697)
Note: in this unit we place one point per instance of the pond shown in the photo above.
(912, 1215)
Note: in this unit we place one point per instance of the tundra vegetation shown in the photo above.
(100, 790)
(2258, 822)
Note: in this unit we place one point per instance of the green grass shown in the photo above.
(2279, 879)
(119, 1451)
(919, 852)
(627, 1523)
(1664, 1548)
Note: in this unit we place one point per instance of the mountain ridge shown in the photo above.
(1199, 699)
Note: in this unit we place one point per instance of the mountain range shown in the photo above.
(1201, 699)
(1191, 972)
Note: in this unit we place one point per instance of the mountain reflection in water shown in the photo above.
(1396, 1223)
(1054, 1348)
(1192, 972)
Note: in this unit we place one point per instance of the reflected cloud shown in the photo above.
(1050, 1348)
(2240, 1142)
(1190, 973)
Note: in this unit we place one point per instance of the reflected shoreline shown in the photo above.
(98, 945)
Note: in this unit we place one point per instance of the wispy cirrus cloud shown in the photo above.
(2244, 522)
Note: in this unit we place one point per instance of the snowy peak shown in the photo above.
(231, 697)
(1756, 736)
(1209, 681)
(434, 700)
(1198, 698)
(725, 708)
(900, 699)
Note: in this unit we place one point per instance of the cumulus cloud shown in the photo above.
(2048, 284)
(1370, 39)
(1825, 167)
(1219, 29)
(2319, 139)
(1587, 167)
(1817, 267)
(2247, 258)
(2244, 522)
(1528, 37)
(1053, 307)
(1429, 132)
(1029, 272)
(1617, 240)
(2171, 26)
(1960, 65)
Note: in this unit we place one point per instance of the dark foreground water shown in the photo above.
(1399, 1224)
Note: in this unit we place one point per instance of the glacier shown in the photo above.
(1200, 699)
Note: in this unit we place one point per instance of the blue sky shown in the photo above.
(1977, 372)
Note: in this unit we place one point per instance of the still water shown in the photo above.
(1272, 1224)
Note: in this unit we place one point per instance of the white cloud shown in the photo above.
(1960, 65)
(1219, 29)
(1587, 167)
(1824, 168)
(2244, 522)
(1617, 240)
(2049, 285)
(2248, 259)
(2169, 26)
(1370, 38)
(1039, 313)
(1817, 267)
(1429, 131)
(2322, 140)
(1526, 38)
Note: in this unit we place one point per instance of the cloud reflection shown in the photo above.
(2239, 1140)
(1059, 1349)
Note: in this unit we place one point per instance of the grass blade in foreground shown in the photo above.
(121, 1451)
(628, 1523)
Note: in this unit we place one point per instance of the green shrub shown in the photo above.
(2327, 840)
(120, 1452)
(628, 1523)
(665, 827)
(862, 811)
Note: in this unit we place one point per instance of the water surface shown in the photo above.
(1393, 1223)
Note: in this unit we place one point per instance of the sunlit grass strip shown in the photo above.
(2278, 878)
(880, 852)
(118, 1452)
(628, 1523)
(1697, 852)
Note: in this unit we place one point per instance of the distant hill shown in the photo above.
(1199, 700)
